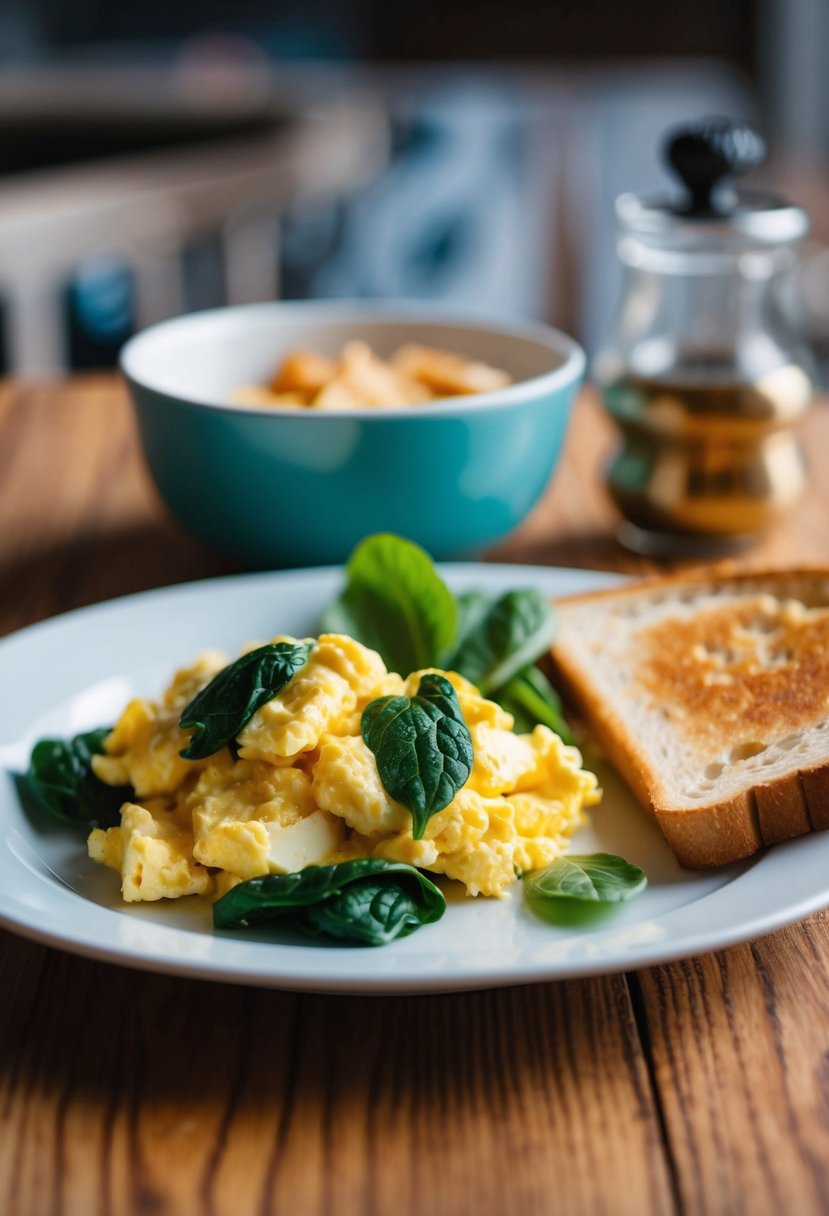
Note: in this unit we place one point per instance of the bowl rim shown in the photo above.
(393, 312)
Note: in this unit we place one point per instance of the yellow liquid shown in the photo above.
(708, 458)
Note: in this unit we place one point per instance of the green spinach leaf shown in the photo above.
(518, 627)
(531, 699)
(422, 747)
(370, 901)
(395, 602)
(472, 608)
(61, 779)
(374, 911)
(233, 696)
(592, 878)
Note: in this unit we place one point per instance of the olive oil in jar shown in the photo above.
(706, 464)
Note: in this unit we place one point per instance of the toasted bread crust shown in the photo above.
(762, 699)
(815, 785)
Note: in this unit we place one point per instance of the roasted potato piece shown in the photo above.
(304, 372)
(360, 379)
(446, 374)
(374, 382)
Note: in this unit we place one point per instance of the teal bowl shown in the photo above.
(275, 487)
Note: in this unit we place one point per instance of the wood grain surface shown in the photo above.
(700, 1087)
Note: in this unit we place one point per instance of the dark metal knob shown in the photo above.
(706, 154)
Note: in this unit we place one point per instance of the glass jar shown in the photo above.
(705, 372)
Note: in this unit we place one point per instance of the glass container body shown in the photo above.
(706, 377)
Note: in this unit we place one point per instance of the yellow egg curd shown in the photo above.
(303, 788)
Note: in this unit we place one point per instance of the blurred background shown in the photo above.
(167, 156)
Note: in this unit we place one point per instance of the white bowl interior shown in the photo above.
(205, 356)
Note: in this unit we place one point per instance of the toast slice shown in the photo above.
(710, 694)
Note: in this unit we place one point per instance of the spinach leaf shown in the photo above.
(374, 911)
(233, 696)
(61, 779)
(531, 699)
(517, 628)
(472, 608)
(395, 602)
(370, 901)
(422, 747)
(594, 878)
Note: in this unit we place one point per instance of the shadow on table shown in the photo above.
(596, 550)
(88, 568)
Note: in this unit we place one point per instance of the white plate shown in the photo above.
(76, 671)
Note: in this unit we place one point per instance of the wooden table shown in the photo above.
(700, 1087)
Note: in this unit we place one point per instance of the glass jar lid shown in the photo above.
(705, 156)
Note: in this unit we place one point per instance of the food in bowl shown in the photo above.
(360, 379)
(302, 487)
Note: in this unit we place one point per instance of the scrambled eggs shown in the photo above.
(304, 788)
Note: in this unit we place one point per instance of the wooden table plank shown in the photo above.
(740, 1046)
(128, 1093)
(81, 519)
